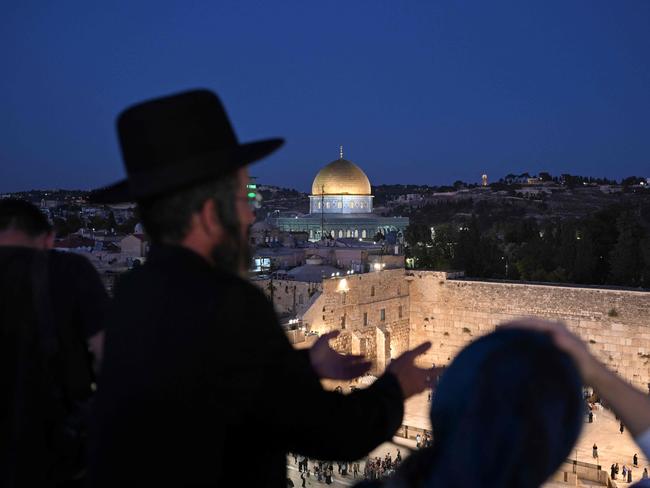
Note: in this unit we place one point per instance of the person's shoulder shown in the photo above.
(238, 287)
(16, 252)
(16, 263)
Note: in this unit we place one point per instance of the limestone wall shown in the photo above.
(358, 314)
(452, 312)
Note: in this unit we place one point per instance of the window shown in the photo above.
(399, 311)
(340, 234)
(356, 232)
(301, 300)
(327, 204)
(317, 204)
(372, 291)
(342, 298)
(340, 205)
(365, 318)
(348, 233)
(363, 234)
(382, 315)
(351, 204)
(343, 321)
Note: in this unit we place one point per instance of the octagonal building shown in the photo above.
(340, 206)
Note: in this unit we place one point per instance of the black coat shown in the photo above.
(201, 386)
(36, 393)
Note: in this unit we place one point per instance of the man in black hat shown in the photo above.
(196, 363)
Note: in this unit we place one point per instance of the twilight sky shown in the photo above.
(416, 91)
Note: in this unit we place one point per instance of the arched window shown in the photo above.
(351, 204)
(327, 204)
(348, 233)
(340, 204)
(356, 232)
(340, 233)
(332, 233)
(363, 233)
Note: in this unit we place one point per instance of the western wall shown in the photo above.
(381, 314)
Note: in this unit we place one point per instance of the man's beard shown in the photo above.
(233, 254)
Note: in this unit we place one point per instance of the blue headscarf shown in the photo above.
(507, 412)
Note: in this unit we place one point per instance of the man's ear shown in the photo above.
(209, 220)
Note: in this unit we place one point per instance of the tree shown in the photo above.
(96, 222)
(128, 226)
(65, 227)
(586, 260)
(625, 258)
(459, 184)
(645, 256)
(417, 234)
(632, 180)
(111, 224)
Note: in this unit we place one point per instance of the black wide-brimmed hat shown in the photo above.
(174, 142)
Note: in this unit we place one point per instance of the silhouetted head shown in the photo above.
(22, 224)
(507, 412)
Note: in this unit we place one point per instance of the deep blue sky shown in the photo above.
(417, 92)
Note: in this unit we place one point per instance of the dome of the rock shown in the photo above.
(341, 177)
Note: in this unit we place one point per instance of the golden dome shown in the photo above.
(341, 177)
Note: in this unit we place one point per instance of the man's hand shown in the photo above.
(330, 364)
(411, 378)
(586, 362)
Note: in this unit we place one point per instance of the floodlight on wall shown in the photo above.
(343, 286)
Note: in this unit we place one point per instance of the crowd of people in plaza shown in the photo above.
(167, 382)
(369, 468)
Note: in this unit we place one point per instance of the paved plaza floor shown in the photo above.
(613, 447)
(348, 480)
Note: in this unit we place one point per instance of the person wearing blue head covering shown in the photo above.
(507, 412)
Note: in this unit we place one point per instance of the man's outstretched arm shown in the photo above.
(310, 420)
